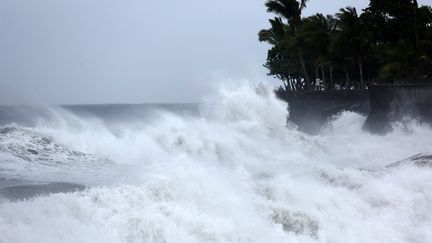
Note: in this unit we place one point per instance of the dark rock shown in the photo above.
(420, 160)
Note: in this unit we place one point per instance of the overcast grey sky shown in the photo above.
(131, 51)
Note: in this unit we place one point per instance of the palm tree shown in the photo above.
(291, 10)
(316, 33)
(278, 58)
(390, 41)
(354, 40)
(399, 63)
(275, 34)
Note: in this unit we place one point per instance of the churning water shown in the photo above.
(228, 170)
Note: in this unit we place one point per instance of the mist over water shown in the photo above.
(227, 170)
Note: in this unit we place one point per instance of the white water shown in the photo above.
(235, 173)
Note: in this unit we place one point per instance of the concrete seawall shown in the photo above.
(382, 104)
(393, 103)
(310, 111)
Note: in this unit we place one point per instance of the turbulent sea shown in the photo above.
(227, 170)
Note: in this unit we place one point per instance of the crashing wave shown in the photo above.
(29, 155)
(236, 173)
(31, 146)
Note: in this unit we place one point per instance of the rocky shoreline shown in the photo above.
(383, 104)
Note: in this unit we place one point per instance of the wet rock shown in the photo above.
(424, 161)
(420, 160)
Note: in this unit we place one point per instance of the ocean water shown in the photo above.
(226, 170)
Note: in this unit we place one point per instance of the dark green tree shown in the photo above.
(315, 34)
(291, 11)
(389, 42)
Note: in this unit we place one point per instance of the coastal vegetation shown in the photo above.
(388, 42)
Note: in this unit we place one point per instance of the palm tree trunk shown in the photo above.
(305, 72)
(360, 63)
(323, 76)
(292, 85)
(347, 80)
(416, 34)
(285, 81)
(286, 87)
(331, 78)
(299, 84)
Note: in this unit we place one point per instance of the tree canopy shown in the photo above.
(388, 42)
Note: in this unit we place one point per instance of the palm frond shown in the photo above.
(283, 8)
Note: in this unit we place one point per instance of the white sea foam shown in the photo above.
(236, 173)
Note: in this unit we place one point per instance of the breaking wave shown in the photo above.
(234, 172)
